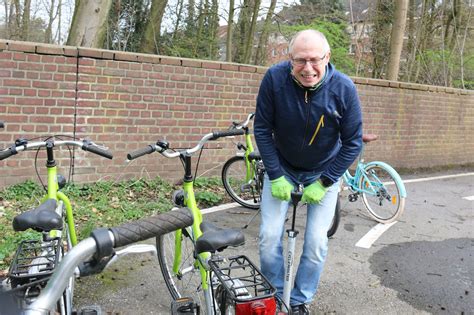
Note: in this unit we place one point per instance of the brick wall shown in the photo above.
(127, 100)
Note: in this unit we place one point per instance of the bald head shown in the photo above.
(309, 36)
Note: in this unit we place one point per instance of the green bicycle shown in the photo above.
(35, 260)
(194, 273)
(242, 175)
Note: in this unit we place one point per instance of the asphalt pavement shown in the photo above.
(422, 264)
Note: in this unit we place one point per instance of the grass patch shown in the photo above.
(98, 204)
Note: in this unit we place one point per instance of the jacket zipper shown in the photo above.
(307, 118)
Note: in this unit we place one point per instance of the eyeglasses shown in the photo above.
(300, 62)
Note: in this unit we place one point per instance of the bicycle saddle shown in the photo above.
(41, 219)
(255, 155)
(369, 137)
(214, 238)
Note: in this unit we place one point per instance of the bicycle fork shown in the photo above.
(290, 253)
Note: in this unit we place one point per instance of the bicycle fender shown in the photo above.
(394, 174)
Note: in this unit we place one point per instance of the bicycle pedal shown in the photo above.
(353, 197)
(246, 188)
(184, 305)
(90, 310)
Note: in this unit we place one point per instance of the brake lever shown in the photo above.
(132, 249)
(100, 146)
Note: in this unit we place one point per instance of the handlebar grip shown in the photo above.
(6, 154)
(227, 133)
(97, 150)
(141, 152)
(153, 226)
(2, 124)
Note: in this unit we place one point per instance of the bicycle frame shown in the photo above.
(250, 165)
(352, 181)
(54, 193)
(190, 202)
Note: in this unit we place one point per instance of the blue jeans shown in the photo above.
(319, 218)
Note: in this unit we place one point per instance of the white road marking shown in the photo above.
(424, 179)
(368, 239)
(436, 177)
(470, 198)
(220, 208)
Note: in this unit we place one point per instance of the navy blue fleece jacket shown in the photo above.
(312, 131)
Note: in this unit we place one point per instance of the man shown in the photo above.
(308, 128)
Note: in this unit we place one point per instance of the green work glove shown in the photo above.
(314, 193)
(281, 188)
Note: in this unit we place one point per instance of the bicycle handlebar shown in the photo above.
(171, 154)
(152, 226)
(85, 145)
(243, 124)
(104, 241)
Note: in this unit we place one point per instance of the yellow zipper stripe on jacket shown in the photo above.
(320, 124)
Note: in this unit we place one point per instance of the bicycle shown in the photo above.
(35, 260)
(382, 190)
(189, 259)
(97, 252)
(242, 176)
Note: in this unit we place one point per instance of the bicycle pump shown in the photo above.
(290, 250)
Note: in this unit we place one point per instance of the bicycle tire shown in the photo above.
(224, 304)
(385, 204)
(337, 218)
(233, 178)
(187, 284)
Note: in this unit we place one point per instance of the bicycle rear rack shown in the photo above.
(33, 263)
(242, 279)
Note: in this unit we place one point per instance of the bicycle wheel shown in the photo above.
(381, 193)
(245, 193)
(337, 218)
(187, 281)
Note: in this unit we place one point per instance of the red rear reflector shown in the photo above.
(266, 306)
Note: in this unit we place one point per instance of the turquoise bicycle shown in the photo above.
(381, 188)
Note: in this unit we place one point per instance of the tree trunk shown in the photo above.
(151, 39)
(260, 56)
(396, 39)
(412, 39)
(230, 31)
(25, 20)
(179, 10)
(251, 32)
(48, 38)
(380, 38)
(242, 30)
(89, 23)
(213, 32)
